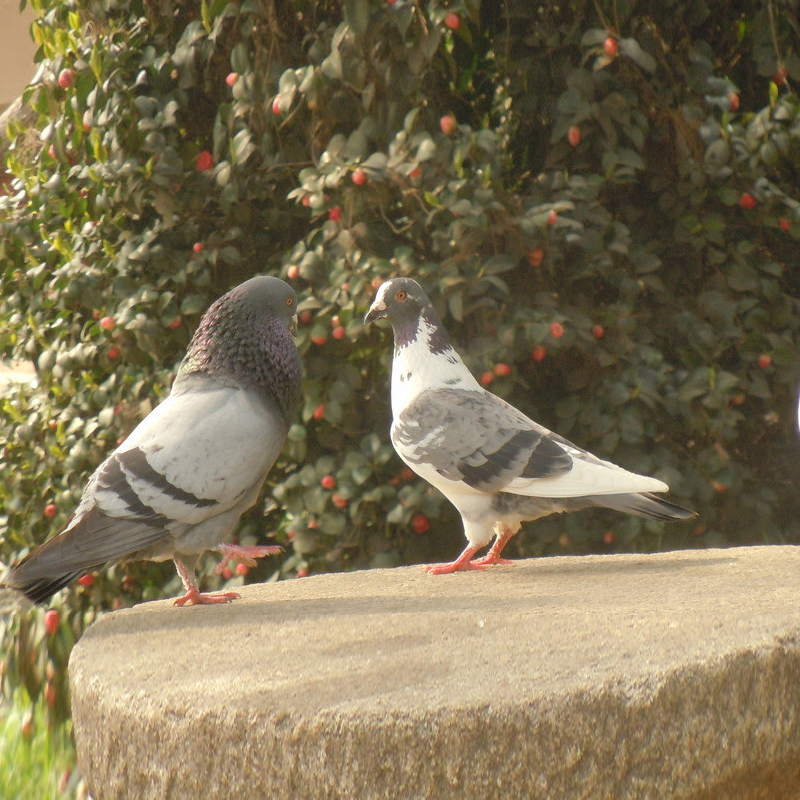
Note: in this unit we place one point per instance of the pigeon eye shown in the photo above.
(401, 296)
(289, 301)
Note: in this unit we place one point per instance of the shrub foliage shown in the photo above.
(601, 198)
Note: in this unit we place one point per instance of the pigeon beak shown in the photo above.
(378, 310)
(293, 325)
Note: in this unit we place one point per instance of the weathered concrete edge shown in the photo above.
(617, 735)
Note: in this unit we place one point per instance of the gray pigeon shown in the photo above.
(179, 483)
(496, 466)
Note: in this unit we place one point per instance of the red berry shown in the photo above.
(335, 214)
(52, 619)
(313, 524)
(539, 352)
(328, 482)
(113, 352)
(338, 333)
(28, 727)
(319, 340)
(231, 78)
(487, 378)
(611, 47)
(719, 487)
(608, 537)
(747, 201)
(198, 247)
(50, 694)
(784, 223)
(306, 201)
(293, 272)
(359, 177)
(415, 173)
(447, 124)
(574, 136)
(176, 323)
(242, 569)
(305, 316)
(276, 105)
(556, 330)
(406, 474)
(86, 580)
(764, 361)
(204, 161)
(302, 572)
(50, 510)
(552, 218)
(536, 256)
(452, 21)
(733, 100)
(227, 574)
(339, 501)
(598, 331)
(66, 78)
(501, 370)
(108, 323)
(420, 524)
(780, 75)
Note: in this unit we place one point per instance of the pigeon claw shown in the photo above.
(453, 566)
(244, 555)
(491, 559)
(195, 597)
(462, 564)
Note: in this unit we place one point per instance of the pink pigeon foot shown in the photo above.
(461, 564)
(194, 597)
(493, 556)
(244, 555)
(490, 559)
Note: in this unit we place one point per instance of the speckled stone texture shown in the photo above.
(637, 676)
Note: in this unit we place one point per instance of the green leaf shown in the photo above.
(633, 50)
(356, 14)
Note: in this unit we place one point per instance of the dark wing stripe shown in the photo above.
(547, 459)
(114, 479)
(135, 461)
(481, 470)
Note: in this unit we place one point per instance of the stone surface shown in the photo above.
(670, 675)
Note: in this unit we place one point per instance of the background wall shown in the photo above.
(16, 50)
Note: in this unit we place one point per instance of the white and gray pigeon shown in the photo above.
(179, 483)
(495, 465)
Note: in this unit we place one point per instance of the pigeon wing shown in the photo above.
(479, 440)
(476, 438)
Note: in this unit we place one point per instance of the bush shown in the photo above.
(601, 200)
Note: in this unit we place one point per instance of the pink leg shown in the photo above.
(244, 555)
(461, 564)
(493, 556)
(193, 595)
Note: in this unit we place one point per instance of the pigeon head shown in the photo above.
(246, 336)
(406, 306)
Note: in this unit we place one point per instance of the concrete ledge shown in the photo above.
(671, 675)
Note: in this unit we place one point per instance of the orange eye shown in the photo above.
(290, 301)
(401, 296)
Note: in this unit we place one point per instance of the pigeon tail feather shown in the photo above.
(40, 589)
(643, 504)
